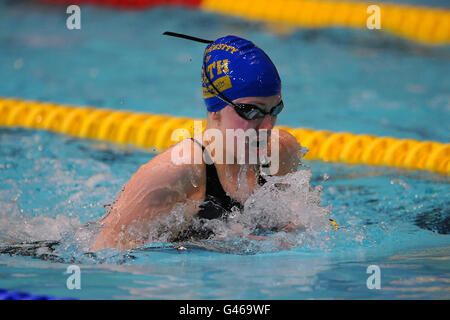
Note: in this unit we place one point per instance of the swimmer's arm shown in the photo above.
(290, 151)
(289, 160)
(152, 191)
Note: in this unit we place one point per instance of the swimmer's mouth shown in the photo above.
(258, 144)
(259, 147)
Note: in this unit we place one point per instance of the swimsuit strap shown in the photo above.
(217, 202)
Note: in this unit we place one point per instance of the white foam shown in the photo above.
(17, 227)
(281, 201)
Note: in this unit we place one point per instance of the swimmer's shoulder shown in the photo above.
(179, 164)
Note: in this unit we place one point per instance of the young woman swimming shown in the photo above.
(242, 92)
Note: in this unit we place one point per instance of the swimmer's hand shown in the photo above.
(285, 245)
(282, 186)
(292, 227)
(239, 229)
(252, 237)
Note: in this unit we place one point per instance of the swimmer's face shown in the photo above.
(231, 120)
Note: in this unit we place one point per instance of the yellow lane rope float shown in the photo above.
(154, 132)
(419, 23)
(422, 24)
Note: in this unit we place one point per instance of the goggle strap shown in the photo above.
(219, 94)
(185, 36)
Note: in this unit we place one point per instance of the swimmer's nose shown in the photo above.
(267, 123)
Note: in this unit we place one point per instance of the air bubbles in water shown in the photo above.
(400, 182)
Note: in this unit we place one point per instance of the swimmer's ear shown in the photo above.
(214, 115)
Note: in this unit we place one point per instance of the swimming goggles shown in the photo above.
(250, 111)
(244, 110)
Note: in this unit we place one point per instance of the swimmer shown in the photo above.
(241, 90)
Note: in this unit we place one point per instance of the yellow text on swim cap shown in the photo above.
(221, 46)
(220, 65)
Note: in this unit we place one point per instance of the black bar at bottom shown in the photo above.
(232, 309)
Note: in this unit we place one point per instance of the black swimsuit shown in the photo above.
(217, 204)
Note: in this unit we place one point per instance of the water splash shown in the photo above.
(16, 227)
(284, 213)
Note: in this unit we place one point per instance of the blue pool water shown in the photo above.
(357, 81)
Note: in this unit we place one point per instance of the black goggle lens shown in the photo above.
(252, 112)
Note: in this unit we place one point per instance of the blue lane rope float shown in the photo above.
(20, 295)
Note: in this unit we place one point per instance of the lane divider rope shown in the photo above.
(154, 132)
(423, 24)
(419, 23)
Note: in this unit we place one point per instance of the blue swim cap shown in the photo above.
(237, 68)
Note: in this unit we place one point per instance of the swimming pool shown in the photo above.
(357, 81)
